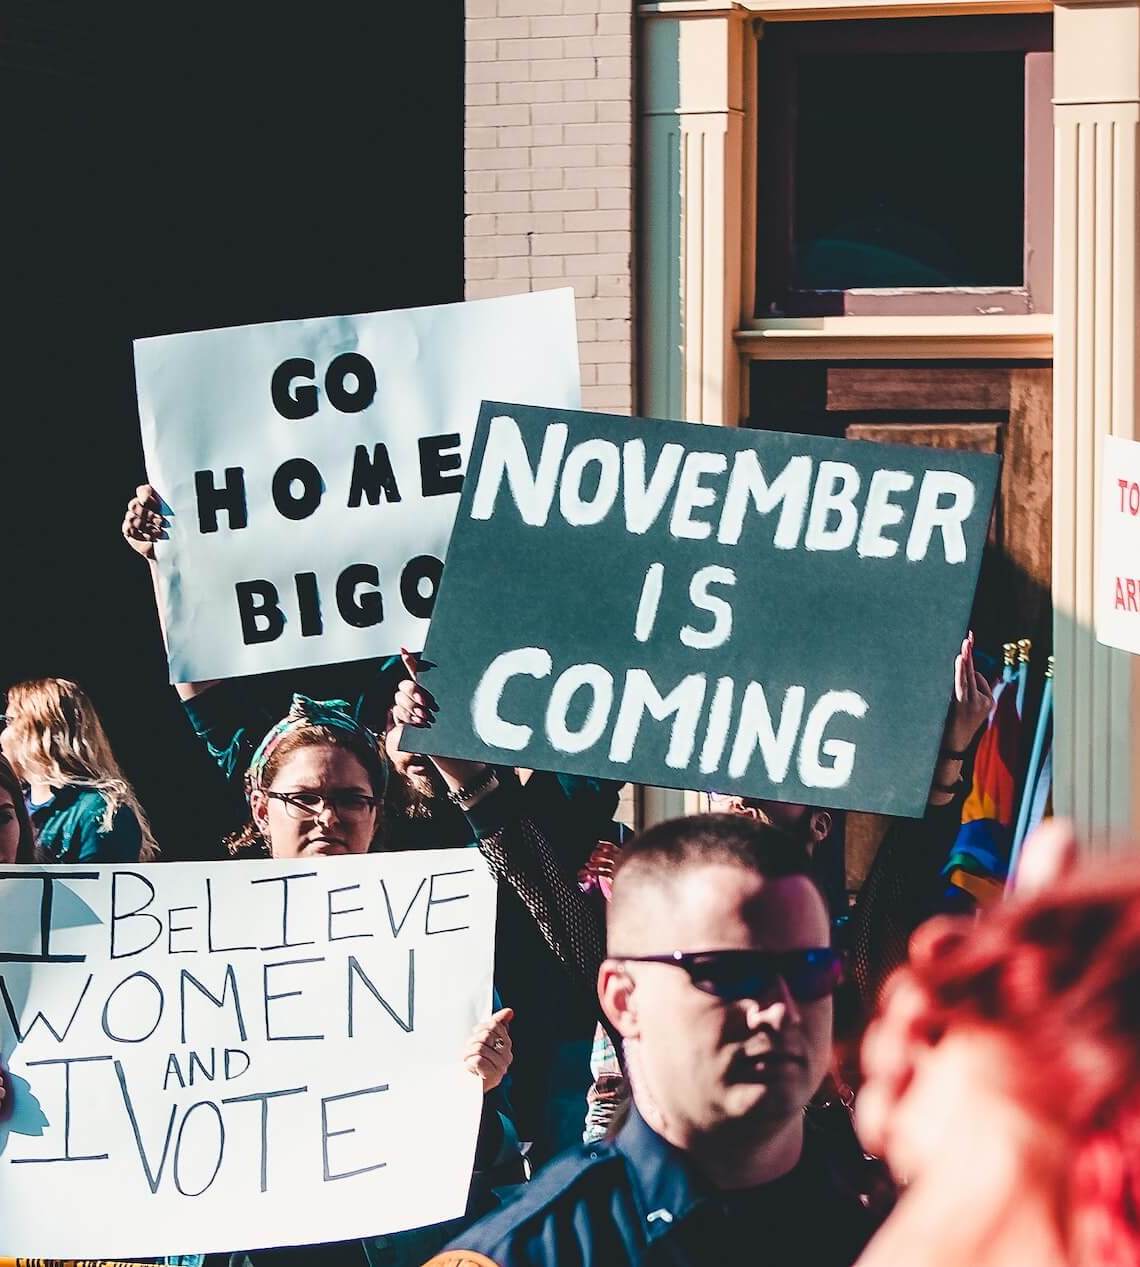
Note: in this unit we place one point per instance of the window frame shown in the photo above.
(776, 50)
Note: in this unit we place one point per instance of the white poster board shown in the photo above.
(1118, 546)
(311, 471)
(221, 1056)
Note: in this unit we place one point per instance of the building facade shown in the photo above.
(903, 221)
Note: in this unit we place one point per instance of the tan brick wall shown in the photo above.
(548, 165)
(549, 169)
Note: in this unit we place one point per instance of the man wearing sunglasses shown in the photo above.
(719, 979)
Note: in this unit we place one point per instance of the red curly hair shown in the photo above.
(1060, 976)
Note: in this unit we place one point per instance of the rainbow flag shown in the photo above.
(989, 812)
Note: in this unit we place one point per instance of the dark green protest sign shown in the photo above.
(698, 607)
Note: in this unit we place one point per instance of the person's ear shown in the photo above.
(819, 826)
(259, 808)
(616, 995)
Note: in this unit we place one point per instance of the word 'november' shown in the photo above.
(820, 514)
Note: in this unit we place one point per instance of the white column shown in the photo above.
(1096, 117)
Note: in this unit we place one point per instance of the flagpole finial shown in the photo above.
(1024, 647)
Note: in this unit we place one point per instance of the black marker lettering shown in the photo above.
(355, 970)
(46, 899)
(350, 402)
(396, 928)
(172, 928)
(359, 610)
(263, 1098)
(424, 567)
(442, 901)
(262, 619)
(372, 476)
(216, 950)
(300, 505)
(186, 978)
(160, 1001)
(152, 1179)
(68, 1155)
(437, 455)
(289, 994)
(230, 498)
(326, 1134)
(284, 881)
(344, 910)
(14, 1020)
(221, 1127)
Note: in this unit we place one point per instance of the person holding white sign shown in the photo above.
(316, 788)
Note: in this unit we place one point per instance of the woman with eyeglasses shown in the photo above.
(316, 788)
(82, 807)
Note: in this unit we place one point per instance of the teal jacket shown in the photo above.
(69, 828)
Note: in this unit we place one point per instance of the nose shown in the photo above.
(778, 1008)
(327, 813)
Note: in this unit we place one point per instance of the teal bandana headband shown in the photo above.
(335, 713)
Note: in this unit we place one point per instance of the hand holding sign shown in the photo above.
(144, 522)
(972, 702)
(488, 1053)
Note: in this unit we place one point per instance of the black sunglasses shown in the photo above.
(731, 975)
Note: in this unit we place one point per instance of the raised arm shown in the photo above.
(143, 525)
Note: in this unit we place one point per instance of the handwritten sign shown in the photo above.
(219, 1056)
(312, 471)
(1118, 547)
(702, 607)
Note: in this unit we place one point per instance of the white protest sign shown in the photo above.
(1118, 547)
(220, 1056)
(312, 471)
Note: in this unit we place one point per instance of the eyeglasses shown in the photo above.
(312, 804)
(731, 975)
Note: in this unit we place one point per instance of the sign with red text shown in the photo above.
(310, 471)
(1118, 547)
(224, 1056)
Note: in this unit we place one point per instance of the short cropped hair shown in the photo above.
(668, 848)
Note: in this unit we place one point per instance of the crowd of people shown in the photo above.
(671, 1057)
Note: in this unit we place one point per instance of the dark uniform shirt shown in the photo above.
(640, 1202)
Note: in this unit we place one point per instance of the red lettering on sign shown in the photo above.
(1131, 594)
(1119, 604)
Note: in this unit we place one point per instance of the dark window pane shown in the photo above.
(909, 170)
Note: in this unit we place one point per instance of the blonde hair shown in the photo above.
(54, 736)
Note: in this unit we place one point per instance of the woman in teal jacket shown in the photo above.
(82, 807)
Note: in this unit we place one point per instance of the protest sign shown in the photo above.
(1117, 608)
(312, 471)
(223, 1056)
(701, 607)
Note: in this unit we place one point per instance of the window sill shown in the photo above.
(806, 10)
(904, 338)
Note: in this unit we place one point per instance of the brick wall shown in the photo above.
(549, 169)
(549, 175)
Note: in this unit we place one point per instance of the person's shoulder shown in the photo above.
(83, 802)
(514, 1234)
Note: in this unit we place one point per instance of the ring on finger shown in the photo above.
(498, 1044)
